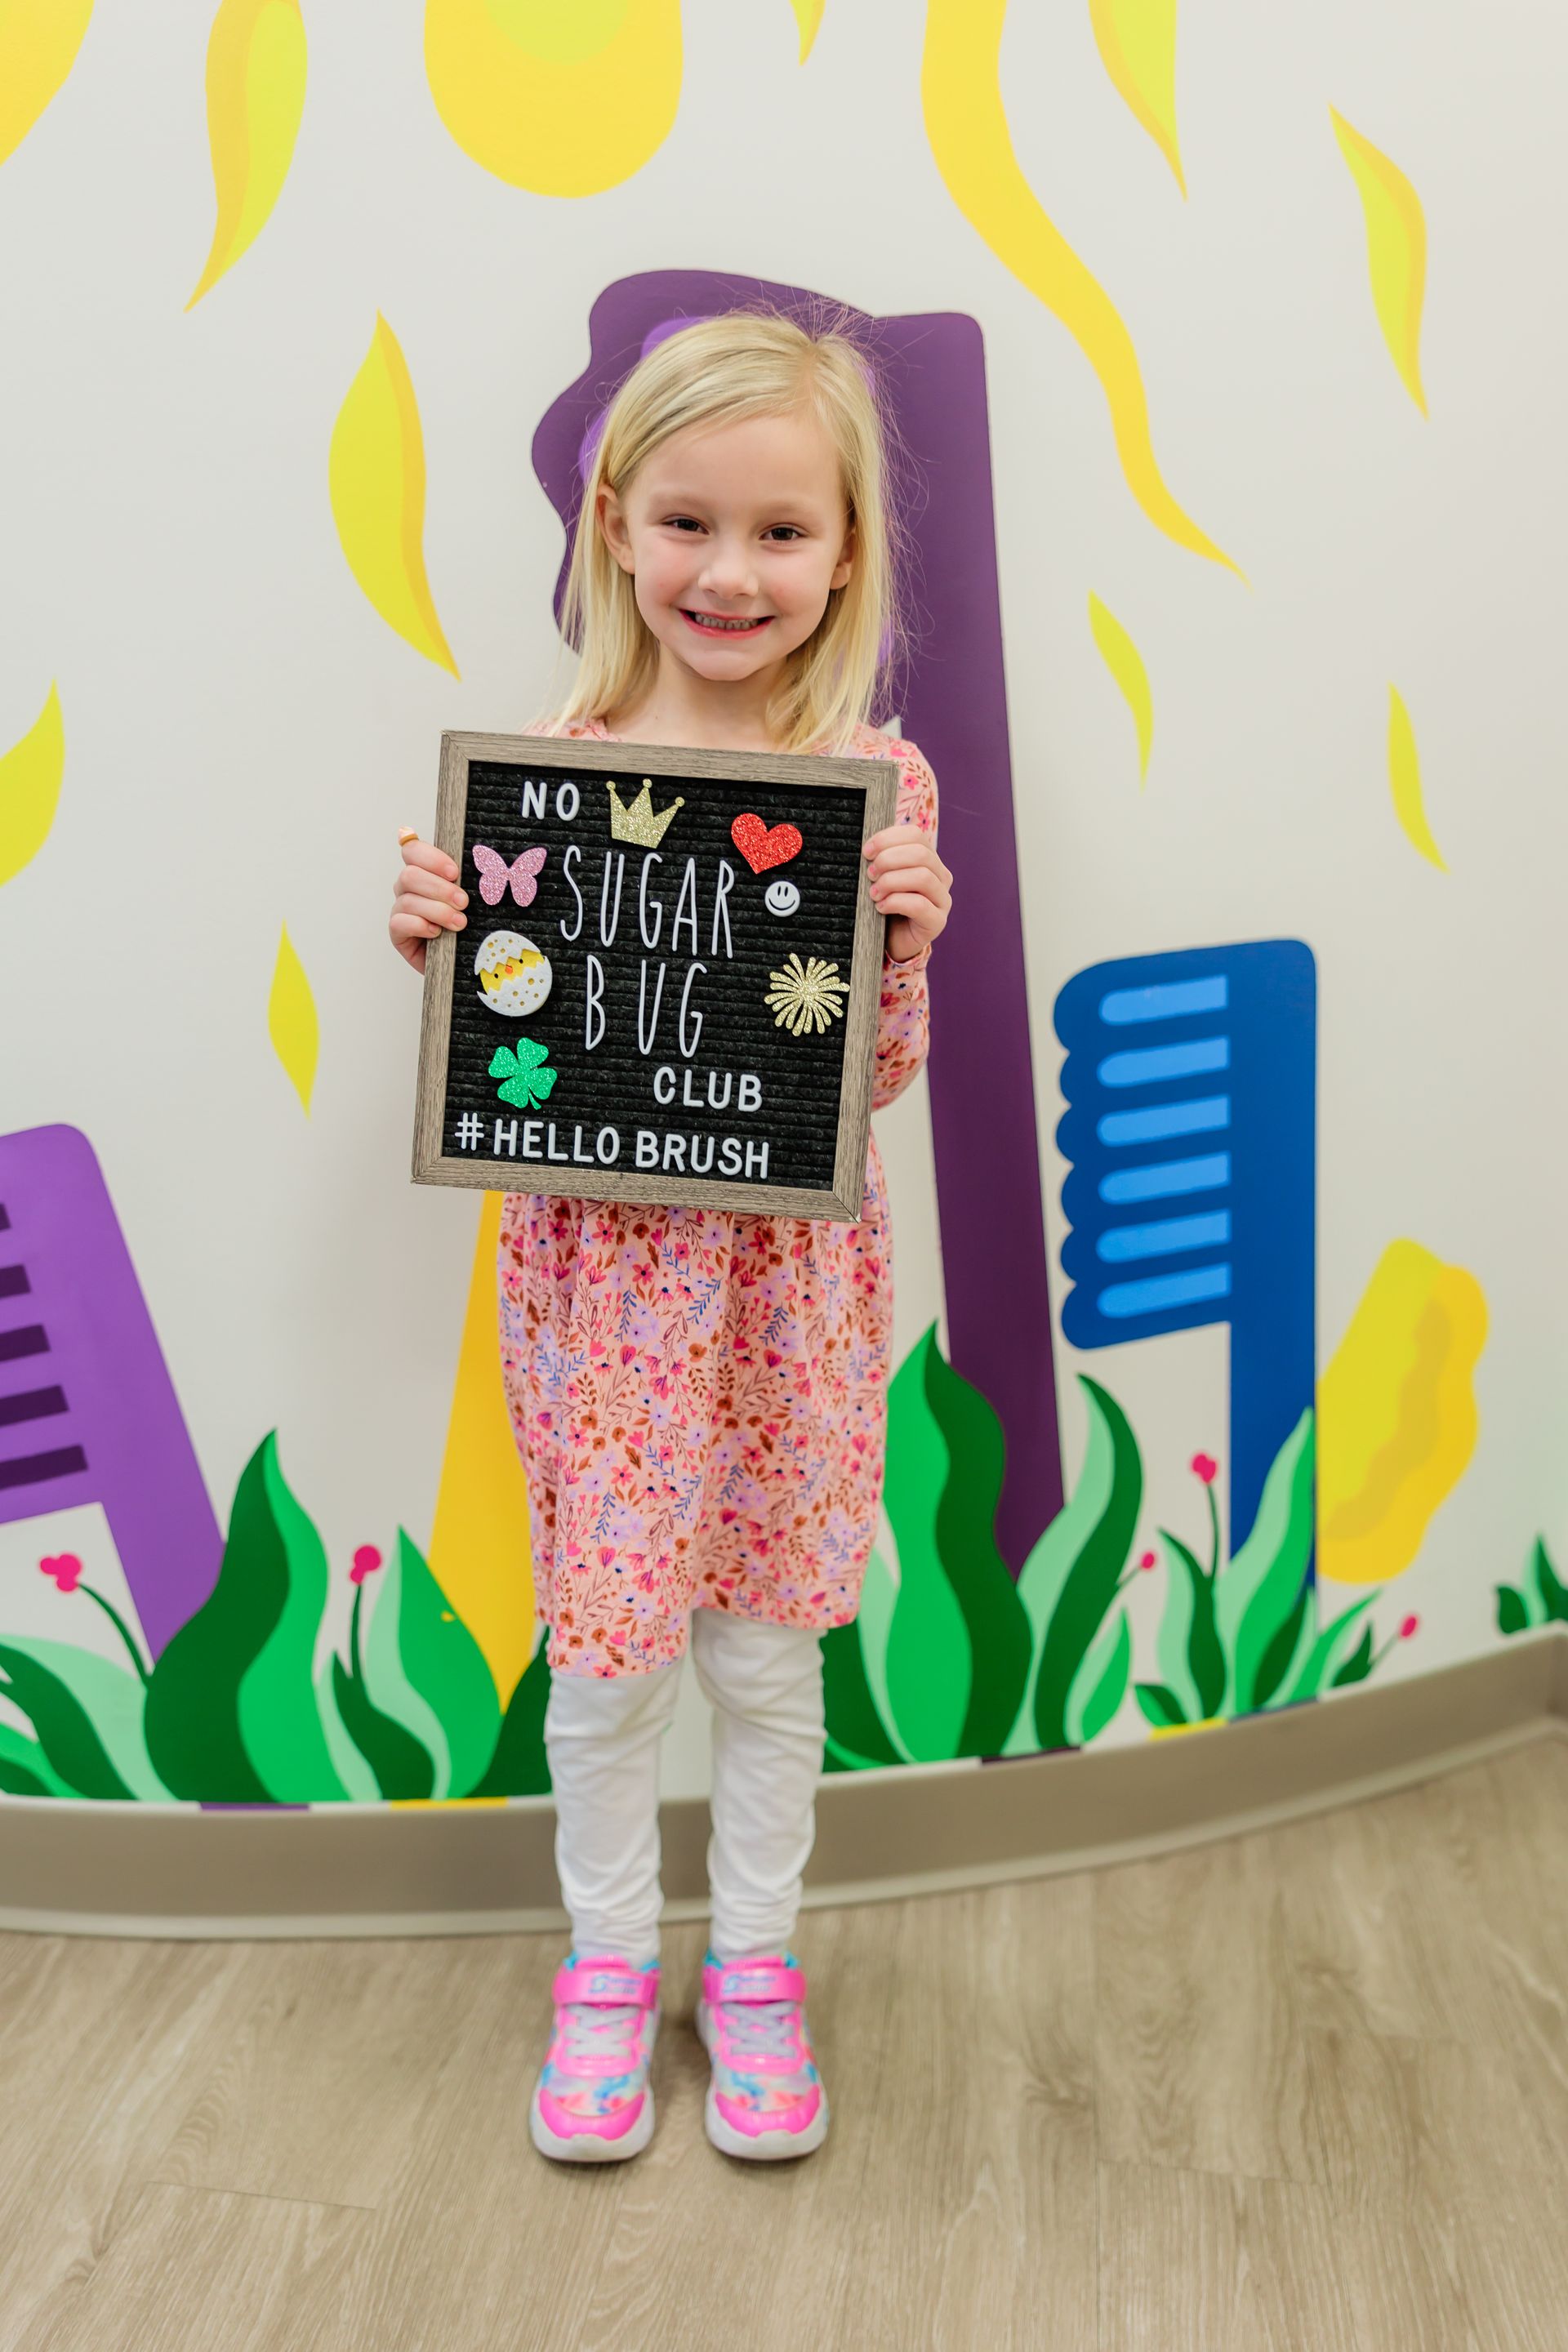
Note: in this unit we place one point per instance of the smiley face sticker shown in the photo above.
(781, 897)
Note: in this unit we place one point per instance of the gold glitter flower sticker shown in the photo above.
(805, 995)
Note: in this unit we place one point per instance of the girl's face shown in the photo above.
(734, 535)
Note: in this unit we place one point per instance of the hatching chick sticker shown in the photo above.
(514, 975)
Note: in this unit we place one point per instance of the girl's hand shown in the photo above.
(426, 900)
(912, 886)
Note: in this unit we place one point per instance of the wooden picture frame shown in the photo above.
(780, 778)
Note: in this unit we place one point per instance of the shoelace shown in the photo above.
(591, 2031)
(762, 2028)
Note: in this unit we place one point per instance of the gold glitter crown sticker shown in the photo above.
(638, 822)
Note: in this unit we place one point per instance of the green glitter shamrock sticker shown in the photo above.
(523, 1079)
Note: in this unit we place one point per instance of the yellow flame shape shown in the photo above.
(292, 1020)
(1396, 1412)
(1137, 41)
(1405, 782)
(38, 42)
(1396, 251)
(377, 475)
(256, 95)
(479, 1548)
(1125, 663)
(967, 127)
(808, 16)
(30, 775)
(565, 101)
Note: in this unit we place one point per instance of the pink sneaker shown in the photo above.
(593, 2103)
(765, 2099)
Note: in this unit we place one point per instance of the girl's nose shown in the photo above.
(729, 571)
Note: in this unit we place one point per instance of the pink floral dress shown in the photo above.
(699, 1397)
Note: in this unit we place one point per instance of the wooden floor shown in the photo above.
(1294, 2093)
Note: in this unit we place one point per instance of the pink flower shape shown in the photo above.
(367, 1559)
(65, 1568)
(1148, 1560)
(1411, 1625)
(1206, 1467)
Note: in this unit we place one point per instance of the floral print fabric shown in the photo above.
(699, 1397)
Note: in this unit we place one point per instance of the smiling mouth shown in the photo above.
(714, 624)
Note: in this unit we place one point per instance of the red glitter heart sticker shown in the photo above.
(760, 848)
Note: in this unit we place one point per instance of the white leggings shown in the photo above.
(601, 1735)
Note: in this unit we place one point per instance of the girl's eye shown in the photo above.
(683, 522)
(785, 530)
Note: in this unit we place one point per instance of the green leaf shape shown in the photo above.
(445, 1667)
(387, 1684)
(1185, 1583)
(1283, 1650)
(1325, 1658)
(855, 1729)
(1259, 1586)
(929, 1652)
(879, 1599)
(1203, 1660)
(1553, 1595)
(280, 1722)
(1070, 1578)
(113, 1699)
(25, 1770)
(525, 1082)
(1160, 1707)
(67, 1731)
(1099, 1686)
(193, 1700)
(1513, 1610)
(995, 1619)
(1358, 1665)
(520, 1767)
(402, 1767)
(348, 1761)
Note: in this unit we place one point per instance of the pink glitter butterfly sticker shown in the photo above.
(495, 874)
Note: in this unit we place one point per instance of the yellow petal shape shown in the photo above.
(292, 1020)
(479, 1549)
(808, 16)
(30, 777)
(966, 122)
(1405, 782)
(376, 474)
(1396, 251)
(255, 94)
(38, 42)
(1125, 663)
(563, 99)
(1397, 1413)
(1137, 41)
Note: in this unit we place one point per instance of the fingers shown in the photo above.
(426, 853)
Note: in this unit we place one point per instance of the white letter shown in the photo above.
(587, 1158)
(609, 923)
(567, 854)
(717, 1102)
(564, 793)
(648, 1031)
(531, 1139)
(664, 1084)
(532, 797)
(510, 1143)
(728, 1157)
(691, 971)
(551, 1152)
(653, 858)
(593, 1002)
(759, 1152)
(648, 1148)
(721, 908)
(674, 1153)
(684, 913)
(700, 1167)
(750, 1095)
(608, 1158)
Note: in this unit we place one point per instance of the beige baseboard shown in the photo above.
(68, 1868)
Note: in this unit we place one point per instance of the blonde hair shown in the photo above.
(724, 371)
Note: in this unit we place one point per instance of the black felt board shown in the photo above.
(727, 1107)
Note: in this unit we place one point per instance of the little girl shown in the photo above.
(722, 1378)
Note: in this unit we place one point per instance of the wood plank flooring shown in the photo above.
(1304, 2090)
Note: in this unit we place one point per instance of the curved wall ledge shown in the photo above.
(356, 1870)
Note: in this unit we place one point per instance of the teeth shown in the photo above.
(712, 621)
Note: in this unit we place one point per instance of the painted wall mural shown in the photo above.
(1132, 1489)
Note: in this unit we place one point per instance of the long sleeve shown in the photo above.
(903, 1020)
